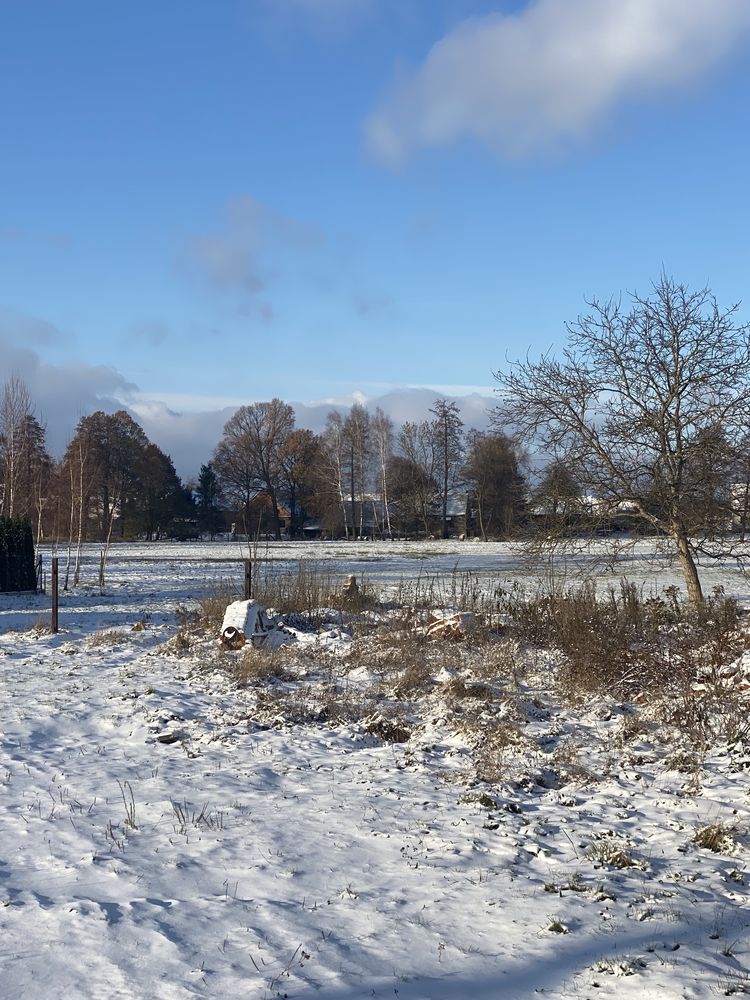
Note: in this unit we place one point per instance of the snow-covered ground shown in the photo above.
(166, 832)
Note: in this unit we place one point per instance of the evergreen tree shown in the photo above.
(207, 494)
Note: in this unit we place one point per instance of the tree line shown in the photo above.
(363, 478)
(360, 477)
(642, 419)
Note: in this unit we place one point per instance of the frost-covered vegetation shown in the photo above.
(446, 785)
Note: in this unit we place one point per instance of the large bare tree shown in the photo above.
(249, 455)
(418, 474)
(331, 486)
(301, 458)
(107, 453)
(640, 406)
(496, 486)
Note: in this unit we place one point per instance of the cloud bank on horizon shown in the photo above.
(536, 80)
(63, 393)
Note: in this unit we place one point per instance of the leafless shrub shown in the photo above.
(185, 617)
(213, 604)
(683, 761)
(461, 591)
(42, 625)
(403, 654)
(458, 688)
(324, 702)
(566, 761)
(630, 728)
(339, 703)
(181, 641)
(502, 659)
(708, 713)
(414, 678)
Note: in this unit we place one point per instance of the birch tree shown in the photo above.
(448, 426)
(382, 433)
(332, 466)
(15, 408)
(357, 451)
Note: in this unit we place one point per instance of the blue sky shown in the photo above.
(204, 204)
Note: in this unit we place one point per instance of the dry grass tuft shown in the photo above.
(107, 637)
(388, 730)
(493, 740)
(716, 837)
(253, 666)
(308, 589)
(611, 854)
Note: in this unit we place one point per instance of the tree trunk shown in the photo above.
(79, 544)
(104, 552)
(386, 508)
(70, 529)
(352, 497)
(688, 567)
(480, 514)
(445, 478)
(276, 518)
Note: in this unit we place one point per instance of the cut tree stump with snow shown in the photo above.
(245, 621)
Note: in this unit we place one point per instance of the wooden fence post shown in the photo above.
(248, 579)
(55, 597)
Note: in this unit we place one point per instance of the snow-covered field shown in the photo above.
(166, 832)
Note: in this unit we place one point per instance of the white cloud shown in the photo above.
(188, 427)
(550, 73)
(62, 393)
(188, 437)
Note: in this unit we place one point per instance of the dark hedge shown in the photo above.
(17, 570)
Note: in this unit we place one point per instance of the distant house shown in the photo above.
(256, 520)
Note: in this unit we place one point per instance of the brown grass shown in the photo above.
(626, 644)
(716, 837)
(106, 637)
(253, 666)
